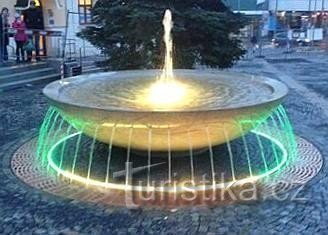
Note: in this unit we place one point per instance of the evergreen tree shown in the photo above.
(131, 33)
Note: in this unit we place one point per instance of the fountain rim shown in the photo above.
(280, 91)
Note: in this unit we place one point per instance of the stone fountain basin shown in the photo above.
(231, 105)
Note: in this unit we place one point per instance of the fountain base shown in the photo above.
(303, 168)
(232, 171)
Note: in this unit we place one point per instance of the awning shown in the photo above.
(254, 13)
(260, 1)
(22, 4)
(25, 4)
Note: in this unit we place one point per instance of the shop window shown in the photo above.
(84, 11)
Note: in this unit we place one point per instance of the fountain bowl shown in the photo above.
(223, 106)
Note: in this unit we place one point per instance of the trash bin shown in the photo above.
(67, 70)
(76, 71)
(72, 69)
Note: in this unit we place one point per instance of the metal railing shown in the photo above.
(31, 34)
(68, 52)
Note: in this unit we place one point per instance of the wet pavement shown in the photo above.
(27, 211)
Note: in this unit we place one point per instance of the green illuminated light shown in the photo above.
(56, 131)
(89, 181)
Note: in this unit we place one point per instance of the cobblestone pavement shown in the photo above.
(27, 211)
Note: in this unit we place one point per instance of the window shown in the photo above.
(84, 11)
(37, 3)
(25, 4)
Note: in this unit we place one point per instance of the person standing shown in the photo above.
(20, 37)
(254, 43)
(4, 37)
(34, 21)
(272, 25)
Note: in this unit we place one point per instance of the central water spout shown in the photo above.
(166, 92)
(167, 74)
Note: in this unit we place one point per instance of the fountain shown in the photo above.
(174, 105)
(166, 131)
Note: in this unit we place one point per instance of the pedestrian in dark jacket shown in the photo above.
(33, 18)
(4, 37)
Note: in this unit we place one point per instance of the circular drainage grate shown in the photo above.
(303, 168)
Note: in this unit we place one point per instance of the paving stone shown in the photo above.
(31, 211)
(203, 228)
(43, 231)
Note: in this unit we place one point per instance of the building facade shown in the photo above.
(298, 5)
(59, 16)
(248, 7)
(251, 6)
(307, 16)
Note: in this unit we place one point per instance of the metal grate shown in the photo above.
(305, 166)
(298, 172)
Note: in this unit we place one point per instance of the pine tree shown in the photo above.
(131, 32)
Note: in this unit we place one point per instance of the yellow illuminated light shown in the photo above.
(167, 92)
(85, 2)
(164, 93)
(37, 3)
